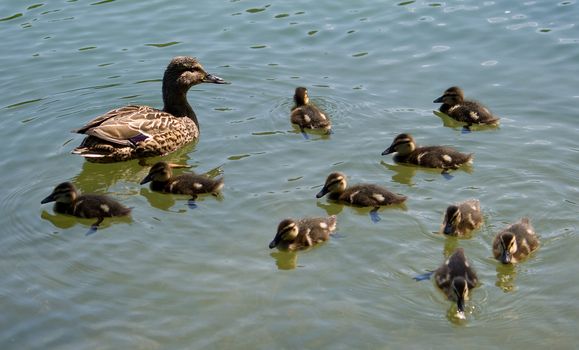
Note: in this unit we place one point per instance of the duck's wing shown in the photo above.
(527, 238)
(128, 125)
(475, 113)
(442, 276)
(471, 211)
(437, 157)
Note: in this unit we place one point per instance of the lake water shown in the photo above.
(177, 278)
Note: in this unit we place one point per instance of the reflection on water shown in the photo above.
(99, 178)
(403, 174)
(163, 202)
(454, 317)
(166, 201)
(60, 292)
(450, 245)
(330, 208)
(285, 260)
(64, 221)
(334, 208)
(506, 274)
(456, 125)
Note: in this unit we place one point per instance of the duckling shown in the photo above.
(303, 233)
(515, 242)
(365, 195)
(69, 201)
(461, 218)
(470, 112)
(306, 115)
(162, 180)
(132, 132)
(441, 157)
(456, 278)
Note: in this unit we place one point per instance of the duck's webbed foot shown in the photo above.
(191, 202)
(93, 228)
(423, 276)
(374, 215)
(446, 174)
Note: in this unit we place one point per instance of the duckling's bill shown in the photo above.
(389, 150)
(322, 192)
(48, 199)
(147, 178)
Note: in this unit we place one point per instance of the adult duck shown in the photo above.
(133, 131)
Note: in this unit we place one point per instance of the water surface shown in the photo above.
(173, 277)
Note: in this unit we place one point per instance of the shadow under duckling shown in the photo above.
(439, 157)
(162, 180)
(462, 218)
(69, 201)
(467, 111)
(303, 233)
(308, 116)
(364, 195)
(515, 242)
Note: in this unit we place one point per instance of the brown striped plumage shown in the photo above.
(162, 180)
(69, 201)
(365, 195)
(470, 112)
(303, 233)
(306, 115)
(515, 242)
(461, 218)
(440, 157)
(455, 277)
(140, 131)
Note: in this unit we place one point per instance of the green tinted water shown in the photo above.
(173, 277)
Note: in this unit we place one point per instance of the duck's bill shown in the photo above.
(460, 305)
(506, 257)
(322, 192)
(148, 178)
(438, 100)
(448, 229)
(388, 150)
(48, 199)
(210, 78)
(273, 244)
